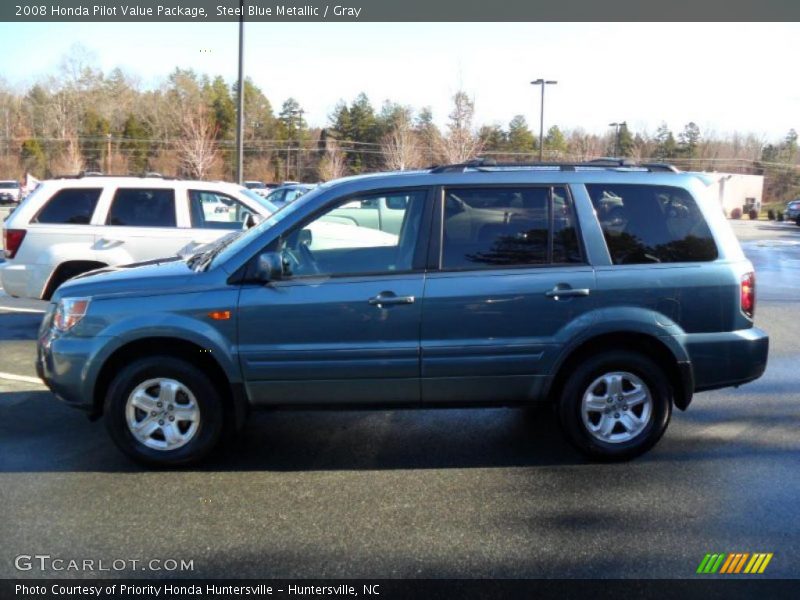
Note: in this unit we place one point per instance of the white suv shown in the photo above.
(70, 226)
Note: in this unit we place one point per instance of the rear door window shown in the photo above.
(651, 224)
(137, 207)
(73, 206)
(497, 227)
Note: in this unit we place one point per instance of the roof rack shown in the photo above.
(144, 175)
(488, 164)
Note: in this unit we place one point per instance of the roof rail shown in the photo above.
(485, 164)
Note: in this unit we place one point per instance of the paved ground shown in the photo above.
(467, 493)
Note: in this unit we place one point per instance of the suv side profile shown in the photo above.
(70, 226)
(612, 291)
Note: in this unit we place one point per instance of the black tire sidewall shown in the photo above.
(208, 401)
(569, 407)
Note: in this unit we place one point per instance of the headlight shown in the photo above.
(69, 313)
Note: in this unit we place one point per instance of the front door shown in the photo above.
(343, 324)
(512, 278)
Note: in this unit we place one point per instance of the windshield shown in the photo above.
(9, 184)
(255, 232)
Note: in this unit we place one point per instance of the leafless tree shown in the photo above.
(460, 143)
(70, 161)
(400, 146)
(197, 147)
(332, 165)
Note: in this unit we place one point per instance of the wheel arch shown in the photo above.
(678, 370)
(77, 265)
(235, 403)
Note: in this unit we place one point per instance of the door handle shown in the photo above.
(390, 299)
(559, 292)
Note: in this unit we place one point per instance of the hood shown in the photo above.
(167, 275)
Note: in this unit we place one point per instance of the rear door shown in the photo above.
(509, 276)
(141, 224)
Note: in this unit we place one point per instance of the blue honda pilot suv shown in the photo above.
(613, 291)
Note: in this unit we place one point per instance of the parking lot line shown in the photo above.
(23, 378)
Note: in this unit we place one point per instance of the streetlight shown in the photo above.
(240, 108)
(617, 127)
(543, 83)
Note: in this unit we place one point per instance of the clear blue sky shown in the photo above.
(725, 77)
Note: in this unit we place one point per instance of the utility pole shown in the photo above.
(616, 127)
(543, 83)
(240, 111)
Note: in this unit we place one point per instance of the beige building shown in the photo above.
(736, 190)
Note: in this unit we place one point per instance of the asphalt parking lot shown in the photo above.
(459, 493)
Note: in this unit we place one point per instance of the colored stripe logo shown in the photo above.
(736, 563)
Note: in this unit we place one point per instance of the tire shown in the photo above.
(797, 221)
(633, 432)
(184, 393)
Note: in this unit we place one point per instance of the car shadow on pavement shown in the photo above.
(19, 326)
(38, 434)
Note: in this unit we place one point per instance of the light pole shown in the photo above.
(240, 111)
(543, 83)
(616, 127)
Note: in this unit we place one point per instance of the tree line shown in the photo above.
(83, 119)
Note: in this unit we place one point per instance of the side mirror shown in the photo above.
(251, 220)
(269, 267)
(305, 237)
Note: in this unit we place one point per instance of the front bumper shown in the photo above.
(63, 364)
(727, 359)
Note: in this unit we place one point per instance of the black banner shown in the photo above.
(398, 10)
(393, 589)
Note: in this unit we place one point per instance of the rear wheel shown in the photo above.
(163, 411)
(616, 405)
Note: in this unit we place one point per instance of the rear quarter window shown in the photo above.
(652, 224)
(73, 206)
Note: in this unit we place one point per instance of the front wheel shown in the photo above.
(616, 405)
(163, 411)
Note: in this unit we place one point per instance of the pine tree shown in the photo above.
(520, 138)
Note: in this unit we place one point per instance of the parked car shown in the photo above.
(288, 192)
(792, 212)
(9, 191)
(73, 225)
(261, 188)
(503, 287)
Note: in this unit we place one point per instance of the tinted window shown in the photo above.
(212, 210)
(142, 208)
(651, 224)
(74, 206)
(334, 245)
(500, 227)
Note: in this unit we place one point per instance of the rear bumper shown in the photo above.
(24, 280)
(727, 359)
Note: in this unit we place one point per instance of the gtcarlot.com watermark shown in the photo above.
(45, 563)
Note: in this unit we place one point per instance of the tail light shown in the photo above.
(12, 240)
(748, 294)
